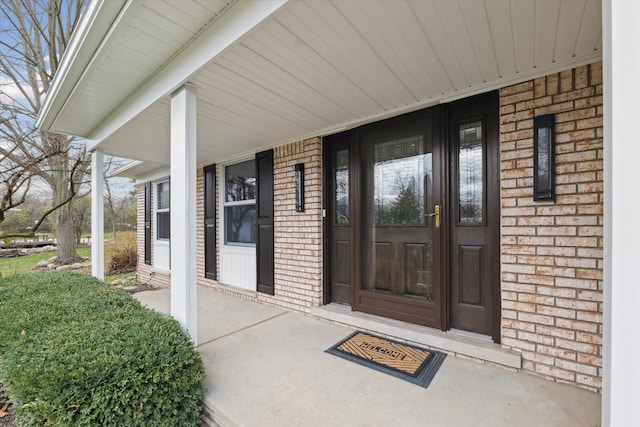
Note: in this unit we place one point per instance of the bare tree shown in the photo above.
(113, 204)
(81, 216)
(34, 35)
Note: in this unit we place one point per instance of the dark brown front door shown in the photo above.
(398, 239)
(474, 215)
(413, 215)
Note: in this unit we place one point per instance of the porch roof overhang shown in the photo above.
(275, 71)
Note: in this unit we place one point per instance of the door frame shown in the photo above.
(445, 146)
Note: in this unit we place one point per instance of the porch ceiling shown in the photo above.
(314, 67)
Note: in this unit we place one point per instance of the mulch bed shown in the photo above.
(8, 420)
(7, 417)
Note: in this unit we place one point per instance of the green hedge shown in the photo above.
(75, 352)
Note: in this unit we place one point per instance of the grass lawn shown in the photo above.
(23, 263)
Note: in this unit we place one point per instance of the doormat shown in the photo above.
(403, 361)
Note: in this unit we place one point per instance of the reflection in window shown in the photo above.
(240, 182)
(470, 173)
(342, 187)
(240, 223)
(163, 215)
(401, 171)
(240, 203)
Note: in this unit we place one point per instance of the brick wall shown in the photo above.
(552, 251)
(297, 235)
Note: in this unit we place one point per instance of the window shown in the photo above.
(163, 215)
(240, 203)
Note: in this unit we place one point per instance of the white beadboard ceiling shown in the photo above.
(317, 66)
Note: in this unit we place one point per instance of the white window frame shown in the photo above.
(162, 210)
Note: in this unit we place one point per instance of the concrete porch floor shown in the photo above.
(267, 367)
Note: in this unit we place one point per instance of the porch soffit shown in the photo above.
(317, 67)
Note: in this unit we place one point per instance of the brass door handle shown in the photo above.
(436, 214)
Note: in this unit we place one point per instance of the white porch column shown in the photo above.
(621, 368)
(183, 209)
(97, 214)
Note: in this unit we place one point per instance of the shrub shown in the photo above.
(75, 352)
(122, 254)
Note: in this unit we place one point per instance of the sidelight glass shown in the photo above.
(342, 187)
(470, 173)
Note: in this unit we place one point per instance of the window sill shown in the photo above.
(238, 249)
(162, 271)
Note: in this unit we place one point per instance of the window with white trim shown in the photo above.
(240, 203)
(163, 215)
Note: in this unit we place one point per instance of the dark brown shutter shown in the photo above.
(147, 223)
(264, 204)
(210, 267)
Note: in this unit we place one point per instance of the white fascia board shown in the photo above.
(87, 37)
(136, 169)
(233, 24)
(160, 174)
(128, 167)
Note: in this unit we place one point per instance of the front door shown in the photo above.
(413, 217)
(399, 239)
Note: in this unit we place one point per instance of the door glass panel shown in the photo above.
(397, 239)
(342, 187)
(470, 173)
(401, 169)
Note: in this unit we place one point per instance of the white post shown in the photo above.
(183, 209)
(97, 214)
(621, 346)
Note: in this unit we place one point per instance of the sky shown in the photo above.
(10, 94)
